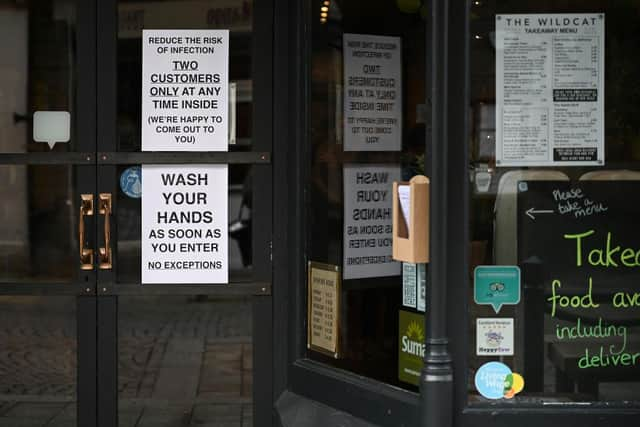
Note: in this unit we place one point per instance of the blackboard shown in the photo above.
(579, 254)
(564, 229)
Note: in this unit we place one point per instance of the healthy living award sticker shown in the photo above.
(494, 380)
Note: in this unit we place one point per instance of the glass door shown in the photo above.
(84, 342)
(48, 213)
(174, 350)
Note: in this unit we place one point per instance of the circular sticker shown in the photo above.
(513, 384)
(490, 379)
(131, 182)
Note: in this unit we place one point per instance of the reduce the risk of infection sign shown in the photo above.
(372, 93)
(184, 108)
(185, 90)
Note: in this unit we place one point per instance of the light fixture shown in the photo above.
(477, 37)
(324, 11)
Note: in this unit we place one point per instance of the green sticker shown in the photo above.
(497, 285)
(410, 347)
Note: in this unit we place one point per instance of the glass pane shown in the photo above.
(340, 109)
(574, 335)
(38, 223)
(133, 16)
(184, 361)
(37, 71)
(38, 361)
(128, 218)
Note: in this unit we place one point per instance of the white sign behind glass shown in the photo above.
(184, 224)
(185, 89)
(185, 108)
(372, 93)
(368, 222)
(550, 90)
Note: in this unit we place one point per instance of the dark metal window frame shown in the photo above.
(95, 161)
(82, 283)
(372, 400)
(107, 159)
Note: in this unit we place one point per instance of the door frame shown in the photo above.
(95, 160)
(370, 400)
(259, 288)
(82, 160)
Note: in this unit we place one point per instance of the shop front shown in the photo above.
(319, 213)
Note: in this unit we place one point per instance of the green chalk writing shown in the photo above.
(601, 359)
(575, 301)
(601, 329)
(606, 255)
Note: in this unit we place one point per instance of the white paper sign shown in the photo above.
(185, 83)
(185, 108)
(367, 239)
(404, 196)
(550, 89)
(372, 93)
(184, 224)
(494, 337)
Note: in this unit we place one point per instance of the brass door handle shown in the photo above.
(105, 253)
(86, 209)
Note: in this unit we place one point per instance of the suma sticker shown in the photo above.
(131, 182)
(496, 285)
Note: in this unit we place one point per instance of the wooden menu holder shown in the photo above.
(411, 241)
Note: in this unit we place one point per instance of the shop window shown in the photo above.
(555, 176)
(368, 118)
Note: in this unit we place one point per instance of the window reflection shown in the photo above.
(371, 299)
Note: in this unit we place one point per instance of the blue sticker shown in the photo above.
(496, 285)
(131, 182)
(490, 379)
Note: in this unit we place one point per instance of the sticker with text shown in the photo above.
(494, 337)
(494, 380)
(496, 285)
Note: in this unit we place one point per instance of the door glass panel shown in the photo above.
(37, 70)
(133, 16)
(341, 229)
(184, 361)
(574, 335)
(38, 223)
(38, 361)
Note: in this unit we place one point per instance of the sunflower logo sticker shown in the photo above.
(415, 332)
(410, 346)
